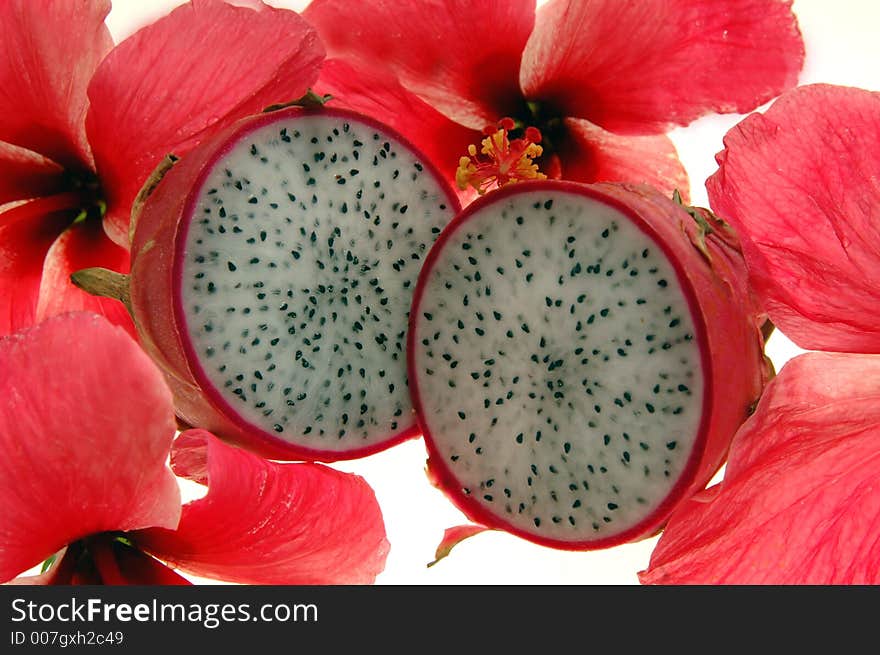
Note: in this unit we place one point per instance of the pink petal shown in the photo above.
(463, 58)
(164, 88)
(643, 67)
(85, 428)
(26, 233)
(590, 154)
(377, 94)
(81, 246)
(799, 503)
(813, 243)
(269, 523)
(25, 174)
(49, 50)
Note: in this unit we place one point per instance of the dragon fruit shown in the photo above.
(580, 357)
(272, 274)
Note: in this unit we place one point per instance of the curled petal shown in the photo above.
(812, 243)
(454, 536)
(591, 154)
(164, 88)
(644, 67)
(85, 428)
(799, 503)
(461, 56)
(81, 246)
(268, 523)
(49, 50)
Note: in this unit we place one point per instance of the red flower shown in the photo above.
(601, 80)
(800, 498)
(82, 125)
(85, 431)
(813, 243)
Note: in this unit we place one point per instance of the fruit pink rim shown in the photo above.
(443, 476)
(279, 447)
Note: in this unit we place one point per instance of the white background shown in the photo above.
(843, 47)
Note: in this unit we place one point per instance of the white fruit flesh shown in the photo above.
(300, 259)
(558, 367)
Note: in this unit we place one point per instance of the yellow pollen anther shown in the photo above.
(502, 161)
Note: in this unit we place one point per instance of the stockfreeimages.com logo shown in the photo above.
(209, 615)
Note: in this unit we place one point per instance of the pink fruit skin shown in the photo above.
(156, 256)
(727, 316)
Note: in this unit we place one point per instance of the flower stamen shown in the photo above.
(501, 160)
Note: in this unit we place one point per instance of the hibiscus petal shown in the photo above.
(26, 233)
(799, 503)
(461, 57)
(85, 428)
(49, 50)
(81, 246)
(165, 87)
(25, 174)
(377, 94)
(268, 523)
(590, 154)
(813, 243)
(643, 67)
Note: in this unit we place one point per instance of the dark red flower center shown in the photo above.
(86, 187)
(97, 559)
(547, 120)
(92, 560)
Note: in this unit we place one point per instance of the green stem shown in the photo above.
(137, 207)
(105, 283)
(310, 100)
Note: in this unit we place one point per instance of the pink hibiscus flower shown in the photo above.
(601, 80)
(800, 498)
(86, 428)
(83, 124)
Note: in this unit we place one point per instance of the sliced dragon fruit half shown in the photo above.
(580, 358)
(272, 276)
